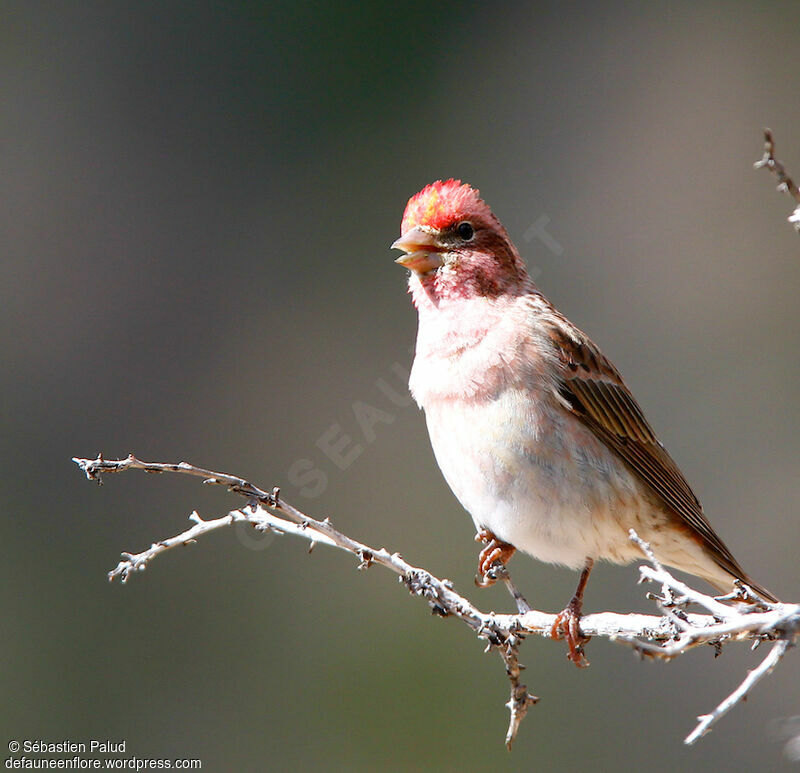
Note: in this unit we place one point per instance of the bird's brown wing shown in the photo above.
(595, 392)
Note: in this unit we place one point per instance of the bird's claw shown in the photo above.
(495, 552)
(567, 626)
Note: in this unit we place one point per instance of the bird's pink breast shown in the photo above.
(517, 461)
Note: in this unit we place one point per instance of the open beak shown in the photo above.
(422, 251)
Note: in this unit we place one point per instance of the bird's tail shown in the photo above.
(759, 589)
(725, 587)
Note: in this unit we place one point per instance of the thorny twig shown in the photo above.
(785, 182)
(663, 637)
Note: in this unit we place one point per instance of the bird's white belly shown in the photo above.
(535, 478)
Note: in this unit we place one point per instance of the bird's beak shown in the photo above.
(422, 251)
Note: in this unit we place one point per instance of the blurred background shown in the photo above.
(197, 204)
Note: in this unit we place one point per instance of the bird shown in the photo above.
(532, 426)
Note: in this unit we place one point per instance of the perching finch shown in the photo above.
(533, 428)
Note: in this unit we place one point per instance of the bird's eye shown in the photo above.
(465, 231)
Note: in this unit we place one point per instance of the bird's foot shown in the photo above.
(568, 626)
(494, 552)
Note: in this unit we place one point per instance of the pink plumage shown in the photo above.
(532, 426)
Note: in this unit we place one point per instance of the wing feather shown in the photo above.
(595, 392)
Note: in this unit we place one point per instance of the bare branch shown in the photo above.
(785, 182)
(706, 720)
(665, 636)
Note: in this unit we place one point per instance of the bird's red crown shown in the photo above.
(439, 204)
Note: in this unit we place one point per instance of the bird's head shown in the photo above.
(454, 245)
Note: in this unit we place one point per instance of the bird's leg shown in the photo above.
(568, 622)
(494, 552)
